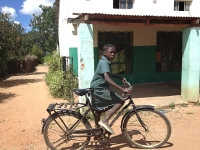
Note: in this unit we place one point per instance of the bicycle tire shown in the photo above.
(159, 129)
(56, 139)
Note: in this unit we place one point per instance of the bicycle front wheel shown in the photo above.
(57, 131)
(158, 129)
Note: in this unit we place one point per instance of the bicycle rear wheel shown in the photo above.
(158, 129)
(57, 131)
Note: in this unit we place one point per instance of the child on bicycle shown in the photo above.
(102, 97)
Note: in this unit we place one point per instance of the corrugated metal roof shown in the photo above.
(131, 12)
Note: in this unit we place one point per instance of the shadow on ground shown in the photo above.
(4, 96)
(30, 73)
(16, 82)
(116, 143)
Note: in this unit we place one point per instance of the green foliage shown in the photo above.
(47, 58)
(54, 61)
(183, 105)
(29, 40)
(10, 40)
(14, 42)
(44, 26)
(172, 105)
(59, 86)
(197, 103)
(37, 51)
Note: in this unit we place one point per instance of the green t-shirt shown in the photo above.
(102, 98)
(98, 81)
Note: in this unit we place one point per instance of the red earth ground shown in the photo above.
(25, 97)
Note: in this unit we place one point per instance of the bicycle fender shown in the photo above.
(131, 111)
(44, 121)
(59, 112)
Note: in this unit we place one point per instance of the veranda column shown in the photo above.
(85, 56)
(190, 64)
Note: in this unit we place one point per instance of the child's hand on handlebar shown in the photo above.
(125, 91)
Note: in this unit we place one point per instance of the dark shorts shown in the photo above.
(101, 99)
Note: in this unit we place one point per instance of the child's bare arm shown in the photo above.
(115, 76)
(111, 82)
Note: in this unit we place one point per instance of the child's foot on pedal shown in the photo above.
(106, 126)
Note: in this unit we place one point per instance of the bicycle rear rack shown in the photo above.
(64, 106)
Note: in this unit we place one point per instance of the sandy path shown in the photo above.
(23, 102)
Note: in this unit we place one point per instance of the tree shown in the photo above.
(29, 39)
(10, 40)
(44, 24)
(37, 51)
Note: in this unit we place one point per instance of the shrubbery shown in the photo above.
(21, 64)
(58, 86)
(37, 51)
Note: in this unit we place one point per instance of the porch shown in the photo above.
(156, 94)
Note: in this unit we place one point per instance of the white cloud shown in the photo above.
(17, 22)
(9, 10)
(31, 7)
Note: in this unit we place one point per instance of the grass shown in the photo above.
(189, 113)
(183, 105)
(171, 105)
(197, 103)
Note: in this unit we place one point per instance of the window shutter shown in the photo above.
(125, 4)
(187, 6)
(122, 4)
(176, 6)
(129, 4)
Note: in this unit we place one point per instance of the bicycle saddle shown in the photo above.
(81, 92)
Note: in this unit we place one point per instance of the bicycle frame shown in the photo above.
(134, 123)
(131, 102)
(51, 108)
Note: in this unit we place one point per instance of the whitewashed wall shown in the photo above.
(68, 32)
(161, 6)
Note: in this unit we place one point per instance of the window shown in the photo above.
(182, 5)
(169, 51)
(122, 63)
(123, 4)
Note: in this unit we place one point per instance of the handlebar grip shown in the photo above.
(129, 88)
(124, 93)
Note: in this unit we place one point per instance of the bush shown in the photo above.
(59, 86)
(54, 61)
(19, 64)
(13, 65)
(37, 51)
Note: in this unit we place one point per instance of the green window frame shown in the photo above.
(123, 41)
(169, 51)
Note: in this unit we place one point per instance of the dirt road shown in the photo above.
(23, 102)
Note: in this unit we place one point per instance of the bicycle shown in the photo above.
(67, 128)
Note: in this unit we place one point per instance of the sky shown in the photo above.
(21, 10)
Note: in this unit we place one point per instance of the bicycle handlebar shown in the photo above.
(130, 87)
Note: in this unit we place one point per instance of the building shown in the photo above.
(156, 40)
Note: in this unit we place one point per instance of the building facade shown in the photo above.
(156, 40)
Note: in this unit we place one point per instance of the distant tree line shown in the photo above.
(16, 44)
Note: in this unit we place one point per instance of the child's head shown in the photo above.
(109, 51)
